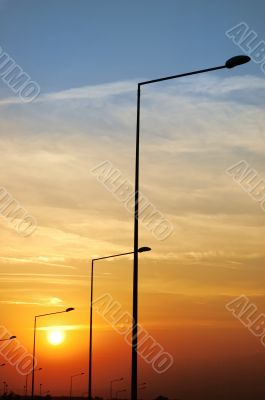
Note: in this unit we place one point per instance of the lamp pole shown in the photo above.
(34, 344)
(231, 63)
(139, 250)
(2, 365)
(71, 382)
(141, 387)
(119, 391)
(111, 383)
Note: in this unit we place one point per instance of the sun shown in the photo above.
(55, 337)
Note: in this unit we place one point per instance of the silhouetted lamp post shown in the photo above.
(231, 63)
(34, 343)
(120, 391)
(111, 383)
(2, 365)
(71, 382)
(141, 387)
(139, 250)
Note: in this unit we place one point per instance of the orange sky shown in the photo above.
(216, 251)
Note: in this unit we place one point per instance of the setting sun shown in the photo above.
(55, 337)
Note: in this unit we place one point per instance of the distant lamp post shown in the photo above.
(231, 63)
(27, 376)
(40, 388)
(71, 382)
(140, 250)
(141, 387)
(5, 387)
(34, 343)
(111, 383)
(120, 391)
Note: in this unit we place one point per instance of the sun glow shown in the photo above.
(55, 337)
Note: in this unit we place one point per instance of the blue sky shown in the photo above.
(64, 43)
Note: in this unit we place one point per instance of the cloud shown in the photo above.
(101, 91)
(191, 132)
(64, 327)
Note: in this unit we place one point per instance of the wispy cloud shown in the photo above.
(191, 132)
(52, 301)
(64, 327)
(82, 93)
(36, 260)
(210, 85)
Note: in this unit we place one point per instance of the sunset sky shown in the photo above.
(87, 57)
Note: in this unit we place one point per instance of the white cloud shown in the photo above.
(191, 132)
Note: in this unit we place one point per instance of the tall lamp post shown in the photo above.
(71, 382)
(34, 344)
(139, 250)
(231, 63)
(111, 383)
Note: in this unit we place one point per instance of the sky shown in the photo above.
(87, 57)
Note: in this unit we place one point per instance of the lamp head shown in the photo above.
(237, 60)
(12, 337)
(143, 249)
(69, 309)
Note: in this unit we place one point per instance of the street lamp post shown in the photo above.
(111, 383)
(71, 382)
(2, 365)
(139, 250)
(120, 391)
(231, 63)
(34, 344)
(141, 387)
